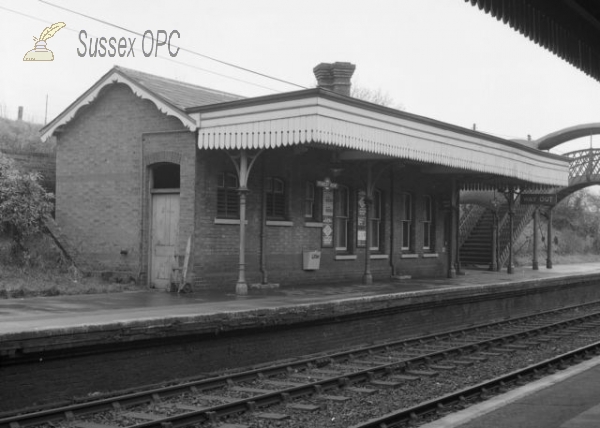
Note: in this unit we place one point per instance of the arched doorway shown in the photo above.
(164, 222)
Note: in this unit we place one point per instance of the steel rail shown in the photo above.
(409, 415)
(359, 376)
(143, 397)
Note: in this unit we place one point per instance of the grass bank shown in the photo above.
(42, 271)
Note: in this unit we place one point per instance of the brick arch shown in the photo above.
(164, 156)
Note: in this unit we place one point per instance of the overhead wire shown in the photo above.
(159, 56)
(229, 64)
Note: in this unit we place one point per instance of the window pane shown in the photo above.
(309, 203)
(232, 181)
(375, 227)
(275, 198)
(427, 208)
(405, 235)
(278, 185)
(341, 202)
(376, 205)
(341, 233)
(341, 210)
(166, 176)
(227, 196)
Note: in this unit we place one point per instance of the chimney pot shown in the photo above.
(335, 77)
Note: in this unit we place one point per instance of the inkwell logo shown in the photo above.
(41, 53)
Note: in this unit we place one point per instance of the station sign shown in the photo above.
(538, 199)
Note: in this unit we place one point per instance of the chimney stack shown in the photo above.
(20, 113)
(335, 77)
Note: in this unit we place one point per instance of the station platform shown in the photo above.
(566, 399)
(67, 347)
(63, 312)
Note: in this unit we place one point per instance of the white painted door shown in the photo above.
(165, 228)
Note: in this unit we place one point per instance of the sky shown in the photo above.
(443, 59)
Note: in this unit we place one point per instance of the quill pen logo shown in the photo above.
(41, 52)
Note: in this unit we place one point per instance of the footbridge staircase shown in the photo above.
(477, 217)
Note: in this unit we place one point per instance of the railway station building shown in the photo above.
(158, 179)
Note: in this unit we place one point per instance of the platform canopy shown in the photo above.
(568, 28)
(364, 130)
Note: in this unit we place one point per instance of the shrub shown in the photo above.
(23, 203)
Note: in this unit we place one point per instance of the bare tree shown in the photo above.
(376, 96)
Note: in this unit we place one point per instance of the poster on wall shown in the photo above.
(327, 231)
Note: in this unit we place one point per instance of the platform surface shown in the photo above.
(46, 313)
(567, 399)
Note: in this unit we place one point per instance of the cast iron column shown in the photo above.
(457, 196)
(243, 170)
(511, 216)
(494, 262)
(549, 259)
(493, 266)
(241, 287)
(451, 224)
(536, 219)
(367, 276)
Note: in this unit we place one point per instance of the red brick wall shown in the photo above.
(103, 161)
(216, 259)
(99, 177)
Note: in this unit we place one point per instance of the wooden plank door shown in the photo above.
(165, 229)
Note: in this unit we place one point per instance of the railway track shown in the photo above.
(410, 416)
(280, 393)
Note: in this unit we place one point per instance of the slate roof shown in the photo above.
(171, 96)
(180, 94)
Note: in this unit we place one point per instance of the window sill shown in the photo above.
(281, 223)
(345, 257)
(409, 256)
(313, 224)
(430, 255)
(229, 221)
(379, 256)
